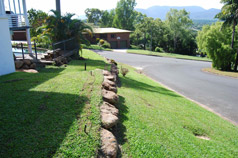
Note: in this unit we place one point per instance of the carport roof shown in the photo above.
(109, 30)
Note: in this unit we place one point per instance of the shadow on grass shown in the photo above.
(34, 123)
(140, 86)
(120, 129)
(90, 63)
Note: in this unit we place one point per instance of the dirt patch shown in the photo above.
(197, 132)
(203, 137)
(28, 70)
(145, 101)
(221, 73)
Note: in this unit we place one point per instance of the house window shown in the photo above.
(103, 36)
(113, 36)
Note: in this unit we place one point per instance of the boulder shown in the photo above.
(106, 73)
(107, 86)
(108, 108)
(109, 120)
(33, 66)
(111, 83)
(109, 77)
(110, 88)
(109, 144)
(25, 66)
(18, 64)
(27, 62)
(110, 97)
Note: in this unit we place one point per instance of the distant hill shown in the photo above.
(196, 13)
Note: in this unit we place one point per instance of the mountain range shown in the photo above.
(196, 12)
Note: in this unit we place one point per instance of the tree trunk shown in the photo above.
(236, 63)
(144, 41)
(233, 34)
(175, 43)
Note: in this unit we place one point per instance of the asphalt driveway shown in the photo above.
(218, 93)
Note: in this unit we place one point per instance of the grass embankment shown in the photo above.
(44, 114)
(156, 122)
(221, 73)
(171, 55)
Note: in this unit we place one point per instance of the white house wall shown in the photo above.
(6, 56)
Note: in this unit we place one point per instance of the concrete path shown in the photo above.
(218, 93)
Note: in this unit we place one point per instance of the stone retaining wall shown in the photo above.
(109, 113)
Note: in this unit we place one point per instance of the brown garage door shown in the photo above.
(113, 44)
(123, 44)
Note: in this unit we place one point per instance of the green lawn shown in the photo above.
(156, 122)
(44, 114)
(171, 55)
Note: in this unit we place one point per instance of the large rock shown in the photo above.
(109, 144)
(27, 62)
(108, 87)
(109, 120)
(18, 64)
(109, 77)
(109, 82)
(110, 97)
(107, 108)
(33, 66)
(106, 73)
(25, 66)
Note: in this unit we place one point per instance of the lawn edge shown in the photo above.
(168, 57)
(196, 102)
(206, 70)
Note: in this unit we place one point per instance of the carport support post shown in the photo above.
(28, 35)
(151, 40)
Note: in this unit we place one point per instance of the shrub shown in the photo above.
(134, 47)
(113, 61)
(106, 45)
(158, 49)
(124, 71)
(97, 40)
(101, 42)
(216, 43)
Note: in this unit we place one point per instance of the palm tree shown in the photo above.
(58, 28)
(229, 14)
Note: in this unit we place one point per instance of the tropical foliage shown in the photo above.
(229, 14)
(216, 43)
(57, 28)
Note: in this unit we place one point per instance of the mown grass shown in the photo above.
(221, 73)
(171, 55)
(53, 113)
(156, 122)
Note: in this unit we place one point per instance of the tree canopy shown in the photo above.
(216, 43)
(124, 14)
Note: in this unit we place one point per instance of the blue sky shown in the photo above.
(78, 6)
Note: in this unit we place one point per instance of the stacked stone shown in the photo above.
(24, 64)
(109, 113)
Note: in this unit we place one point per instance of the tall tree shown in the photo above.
(216, 43)
(106, 18)
(178, 21)
(229, 14)
(94, 15)
(36, 19)
(125, 14)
